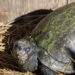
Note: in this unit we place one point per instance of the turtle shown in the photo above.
(51, 42)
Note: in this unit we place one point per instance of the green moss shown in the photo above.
(45, 28)
(40, 35)
(51, 45)
(56, 26)
(37, 38)
(45, 41)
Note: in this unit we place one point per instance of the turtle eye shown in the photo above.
(27, 49)
(20, 48)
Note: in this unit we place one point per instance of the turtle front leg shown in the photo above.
(45, 70)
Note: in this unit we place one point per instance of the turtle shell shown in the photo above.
(52, 36)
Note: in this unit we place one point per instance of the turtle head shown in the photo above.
(26, 52)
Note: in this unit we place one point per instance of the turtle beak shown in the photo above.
(22, 55)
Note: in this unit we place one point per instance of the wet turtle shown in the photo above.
(53, 40)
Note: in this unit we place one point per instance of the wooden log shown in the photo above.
(16, 8)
